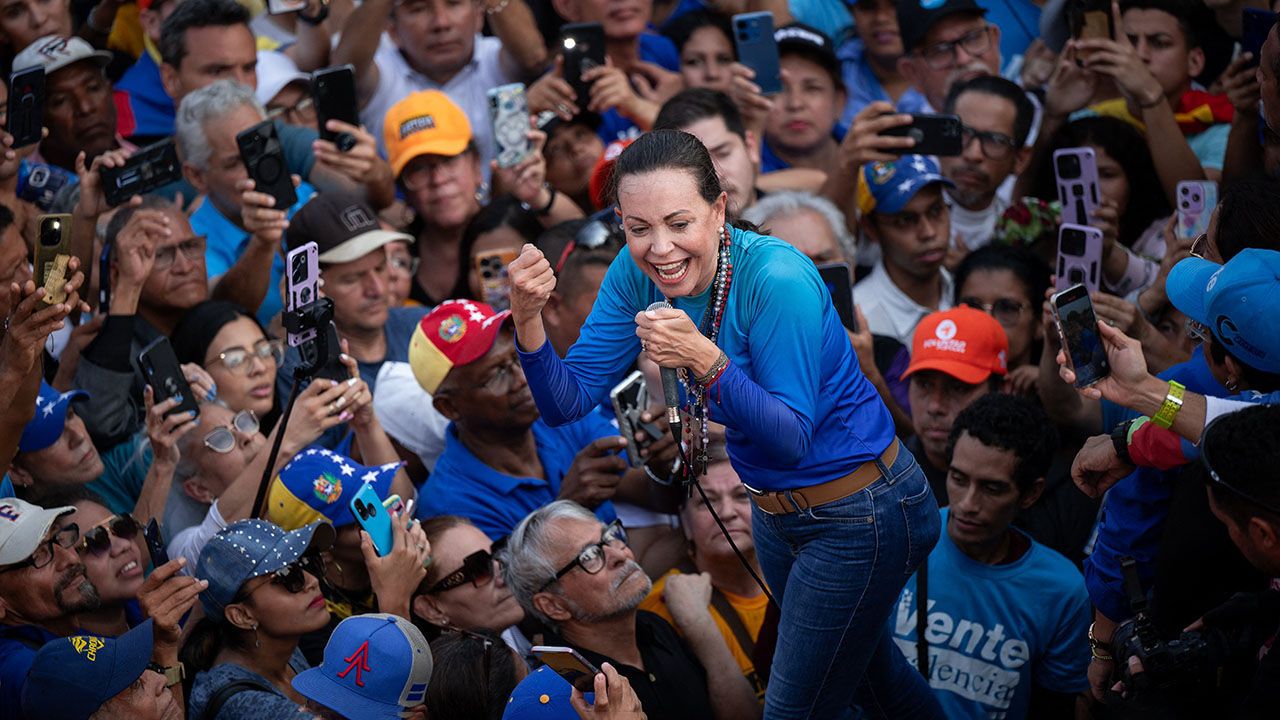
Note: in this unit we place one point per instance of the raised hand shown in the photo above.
(532, 282)
(593, 478)
(552, 92)
(395, 576)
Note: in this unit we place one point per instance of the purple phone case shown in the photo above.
(305, 292)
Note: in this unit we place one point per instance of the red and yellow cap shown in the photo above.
(963, 342)
(456, 333)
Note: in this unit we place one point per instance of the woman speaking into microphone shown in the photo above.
(842, 512)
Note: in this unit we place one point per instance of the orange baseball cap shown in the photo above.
(424, 123)
(963, 342)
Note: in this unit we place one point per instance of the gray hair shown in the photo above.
(202, 106)
(528, 563)
(793, 201)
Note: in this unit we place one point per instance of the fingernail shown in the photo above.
(211, 395)
(352, 381)
(192, 413)
(196, 421)
(340, 402)
(183, 561)
(345, 416)
(178, 397)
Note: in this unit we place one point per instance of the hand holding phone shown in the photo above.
(838, 279)
(53, 256)
(1078, 328)
(568, 664)
(495, 284)
(333, 91)
(630, 399)
(934, 135)
(1079, 257)
(509, 111)
(25, 113)
(1076, 172)
(582, 48)
(264, 159)
(1196, 200)
(145, 170)
(155, 544)
(373, 516)
(162, 372)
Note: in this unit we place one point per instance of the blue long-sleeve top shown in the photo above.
(797, 409)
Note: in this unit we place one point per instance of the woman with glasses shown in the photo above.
(1009, 284)
(233, 347)
(263, 595)
(462, 588)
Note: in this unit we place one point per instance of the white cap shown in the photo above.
(54, 52)
(405, 411)
(23, 526)
(275, 71)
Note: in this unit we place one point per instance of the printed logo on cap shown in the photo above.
(416, 124)
(1213, 280)
(881, 172)
(801, 34)
(946, 329)
(87, 646)
(1230, 336)
(452, 329)
(55, 47)
(327, 488)
(358, 661)
(356, 218)
(9, 512)
(945, 338)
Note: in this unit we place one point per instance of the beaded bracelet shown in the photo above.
(717, 367)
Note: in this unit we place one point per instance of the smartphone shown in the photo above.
(333, 90)
(104, 279)
(374, 517)
(26, 106)
(1091, 20)
(838, 279)
(283, 7)
(162, 372)
(510, 114)
(1076, 170)
(264, 159)
(145, 170)
(630, 399)
(1078, 327)
(302, 284)
(1196, 200)
(1079, 257)
(394, 505)
(934, 135)
(52, 255)
(155, 544)
(568, 664)
(1255, 27)
(753, 40)
(582, 46)
(495, 286)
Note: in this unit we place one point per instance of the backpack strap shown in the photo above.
(731, 618)
(225, 693)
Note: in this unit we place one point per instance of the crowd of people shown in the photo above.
(900, 506)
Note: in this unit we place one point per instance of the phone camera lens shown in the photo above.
(1069, 167)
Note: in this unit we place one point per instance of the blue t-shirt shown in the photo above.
(656, 49)
(18, 647)
(994, 631)
(125, 467)
(1019, 23)
(1133, 514)
(496, 502)
(864, 88)
(797, 409)
(227, 242)
(145, 108)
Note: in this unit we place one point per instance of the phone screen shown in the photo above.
(1079, 326)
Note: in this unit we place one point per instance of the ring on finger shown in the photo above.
(333, 407)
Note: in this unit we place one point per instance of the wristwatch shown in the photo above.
(321, 15)
(1120, 439)
(551, 200)
(173, 674)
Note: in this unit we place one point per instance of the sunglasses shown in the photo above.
(592, 236)
(477, 569)
(221, 440)
(291, 577)
(97, 539)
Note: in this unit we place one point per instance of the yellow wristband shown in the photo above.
(1172, 404)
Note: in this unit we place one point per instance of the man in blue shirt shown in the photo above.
(869, 61)
(500, 461)
(1005, 615)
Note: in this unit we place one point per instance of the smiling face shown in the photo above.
(490, 605)
(808, 108)
(706, 58)
(672, 233)
(984, 498)
(251, 384)
(117, 572)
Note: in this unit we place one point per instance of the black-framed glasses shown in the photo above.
(237, 358)
(43, 554)
(942, 55)
(1004, 310)
(477, 569)
(995, 146)
(1215, 479)
(192, 249)
(97, 539)
(592, 236)
(222, 440)
(591, 559)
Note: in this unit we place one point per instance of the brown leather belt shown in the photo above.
(789, 501)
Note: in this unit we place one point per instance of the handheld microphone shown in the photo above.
(670, 385)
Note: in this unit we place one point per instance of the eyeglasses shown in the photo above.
(294, 111)
(995, 146)
(592, 236)
(222, 441)
(192, 249)
(942, 55)
(591, 559)
(233, 358)
(1004, 310)
(1217, 480)
(1198, 331)
(418, 173)
(477, 569)
(97, 540)
(43, 555)
(500, 381)
(291, 577)
(403, 264)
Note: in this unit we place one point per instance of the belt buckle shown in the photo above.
(753, 491)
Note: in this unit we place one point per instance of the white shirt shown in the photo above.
(975, 227)
(405, 412)
(468, 88)
(192, 540)
(889, 311)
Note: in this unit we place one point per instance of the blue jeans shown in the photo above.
(837, 570)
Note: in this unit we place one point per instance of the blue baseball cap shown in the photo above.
(888, 187)
(248, 549)
(319, 484)
(375, 666)
(72, 677)
(1236, 301)
(47, 424)
(542, 695)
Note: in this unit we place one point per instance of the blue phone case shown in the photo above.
(368, 510)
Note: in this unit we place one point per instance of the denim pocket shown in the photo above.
(920, 516)
(857, 509)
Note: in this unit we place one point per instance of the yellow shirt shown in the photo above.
(750, 611)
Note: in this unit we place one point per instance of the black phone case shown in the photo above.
(587, 52)
(26, 106)
(264, 159)
(162, 372)
(1256, 25)
(934, 135)
(836, 276)
(155, 544)
(147, 169)
(333, 89)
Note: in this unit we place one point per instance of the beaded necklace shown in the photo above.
(697, 395)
